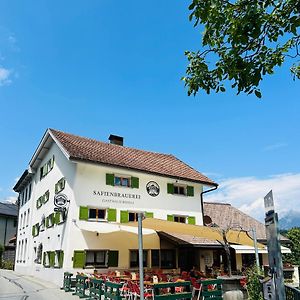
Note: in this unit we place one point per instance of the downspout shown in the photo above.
(201, 197)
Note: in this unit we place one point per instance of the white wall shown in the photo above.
(92, 178)
(56, 237)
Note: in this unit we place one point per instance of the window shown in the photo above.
(50, 220)
(21, 221)
(60, 185)
(154, 258)
(97, 213)
(49, 259)
(180, 219)
(122, 180)
(42, 200)
(29, 191)
(58, 260)
(168, 258)
(27, 224)
(132, 217)
(96, 258)
(180, 189)
(24, 220)
(43, 223)
(134, 258)
(100, 214)
(25, 196)
(47, 167)
(15, 222)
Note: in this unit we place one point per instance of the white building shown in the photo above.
(75, 187)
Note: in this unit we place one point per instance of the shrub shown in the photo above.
(7, 264)
(253, 284)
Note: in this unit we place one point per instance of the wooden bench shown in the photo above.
(112, 291)
(211, 289)
(69, 282)
(81, 286)
(172, 294)
(96, 288)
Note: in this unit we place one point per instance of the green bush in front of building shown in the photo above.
(253, 284)
(7, 264)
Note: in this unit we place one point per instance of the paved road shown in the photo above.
(14, 286)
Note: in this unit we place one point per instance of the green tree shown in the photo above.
(243, 40)
(293, 235)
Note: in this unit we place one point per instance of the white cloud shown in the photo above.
(275, 146)
(10, 199)
(5, 76)
(247, 193)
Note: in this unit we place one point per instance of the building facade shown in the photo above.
(77, 193)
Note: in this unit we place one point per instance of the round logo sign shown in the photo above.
(152, 188)
(61, 200)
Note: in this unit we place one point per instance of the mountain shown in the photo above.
(291, 219)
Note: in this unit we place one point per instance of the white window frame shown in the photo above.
(97, 219)
(178, 186)
(180, 216)
(122, 177)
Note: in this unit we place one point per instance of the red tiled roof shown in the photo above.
(80, 148)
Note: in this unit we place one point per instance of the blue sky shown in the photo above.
(98, 67)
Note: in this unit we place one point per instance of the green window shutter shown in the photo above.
(79, 259)
(56, 218)
(52, 163)
(63, 183)
(51, 258)
(192, 220)
(47, 222)
(170, 218)
(56, 188)
(113, 258)
(170, 188)
(46, 196)
(110, 179)
(52, 218)
(135, 182)
(60, 185)
(112, 215)
(39, 202)
(61, 259)
(124, 216)
(149, 214)
(83, 213)
(190, 190)
(44, 259)
(33, 230)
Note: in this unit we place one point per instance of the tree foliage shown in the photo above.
(293, 235)
(243, 40)
(253, 284)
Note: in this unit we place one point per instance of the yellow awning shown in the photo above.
(233, 236)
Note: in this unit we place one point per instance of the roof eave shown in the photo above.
(43, 147)
(23, 181)
(78, 159)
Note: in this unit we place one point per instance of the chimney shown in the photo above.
(116, 140)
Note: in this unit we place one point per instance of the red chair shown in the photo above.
(135, 292)
(196, 287)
